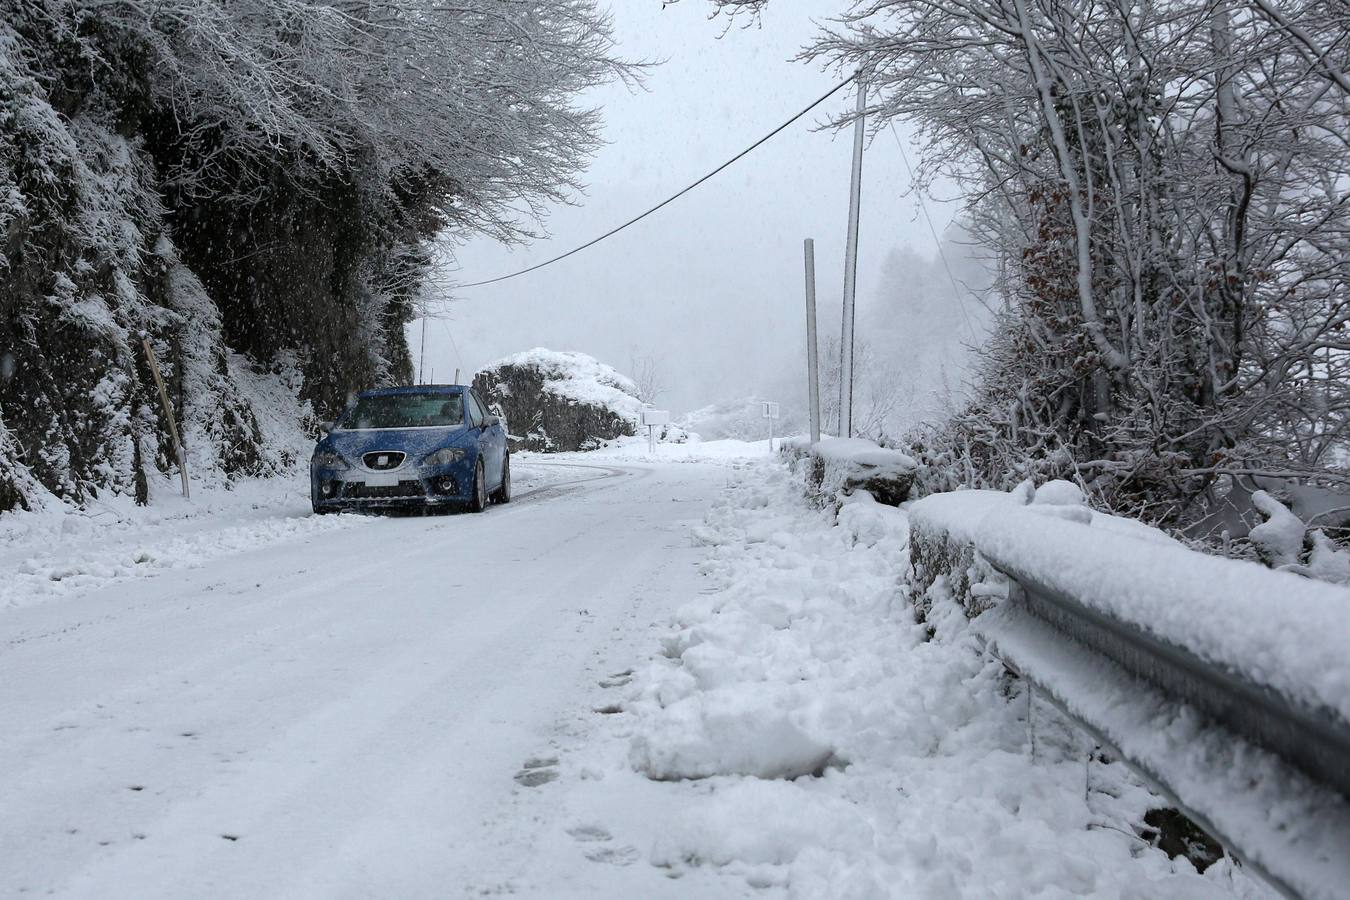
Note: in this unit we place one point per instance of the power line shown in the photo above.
(459, 357)
(918, 192)
(633, 221)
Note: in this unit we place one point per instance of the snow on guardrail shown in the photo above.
(1226, 683)
(1275, 629)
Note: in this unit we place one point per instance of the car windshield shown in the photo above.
(405, 411)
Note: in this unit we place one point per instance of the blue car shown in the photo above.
(424, 446)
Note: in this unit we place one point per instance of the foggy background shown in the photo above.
(709, 291)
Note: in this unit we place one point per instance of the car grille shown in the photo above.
(383, 460)
(355, 490)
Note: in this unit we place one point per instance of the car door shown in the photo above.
(488, 445)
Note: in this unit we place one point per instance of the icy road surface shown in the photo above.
(348, 711)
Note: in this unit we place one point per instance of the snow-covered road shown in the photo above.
(644, 678)
(344, 713)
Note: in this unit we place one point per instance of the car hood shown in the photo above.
(415, 442)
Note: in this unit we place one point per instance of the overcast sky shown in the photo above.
(711, 286)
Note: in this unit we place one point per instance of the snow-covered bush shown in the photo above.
(560, 401)
(1161, 188)
(1284, 541)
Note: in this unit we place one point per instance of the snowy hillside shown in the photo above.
(740, 420)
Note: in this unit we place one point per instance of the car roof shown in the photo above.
(416, 389)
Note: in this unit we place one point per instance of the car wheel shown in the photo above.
(503, 493)
(478, 502)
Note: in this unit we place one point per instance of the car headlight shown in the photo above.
(445, 456)
(327, 459)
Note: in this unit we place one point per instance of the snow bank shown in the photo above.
(838, 749)
(560, 401)
(726, 731)
(62, 551)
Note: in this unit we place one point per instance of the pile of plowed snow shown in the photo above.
(800, 731)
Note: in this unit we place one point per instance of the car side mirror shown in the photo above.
(489, 421)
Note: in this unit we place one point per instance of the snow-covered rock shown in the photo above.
(560, 401)
(847, 464)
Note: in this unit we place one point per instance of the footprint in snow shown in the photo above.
(614, 856)
(596, 834)
(589, 833)
(540, 762)
(618, 679)
(537, 770)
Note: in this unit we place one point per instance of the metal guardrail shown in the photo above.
(1316, 740)
(1037, 631)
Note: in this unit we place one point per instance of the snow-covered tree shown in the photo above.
(1164, 188)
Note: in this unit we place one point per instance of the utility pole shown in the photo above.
(422, 356)
(812, 364)
(851, 271)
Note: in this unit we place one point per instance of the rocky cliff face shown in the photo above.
(556, 402)
(101, 250)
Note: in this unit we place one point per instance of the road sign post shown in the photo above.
(654, 419)
(770, 412)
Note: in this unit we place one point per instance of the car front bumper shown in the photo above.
(416, 486)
